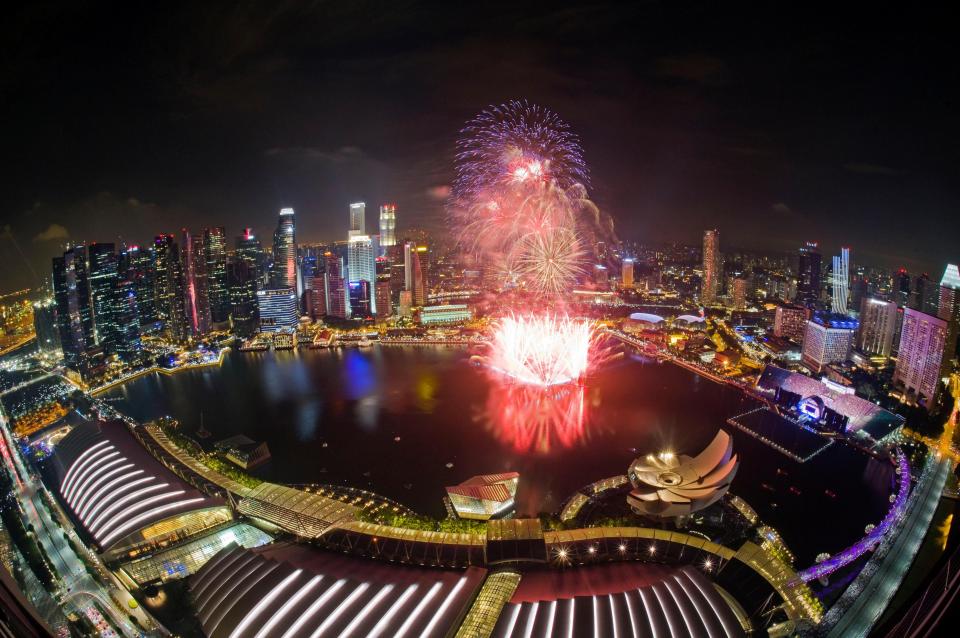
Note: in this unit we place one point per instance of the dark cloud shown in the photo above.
(53, 232)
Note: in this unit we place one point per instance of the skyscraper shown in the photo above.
(45, 325)
(215, 256)
(710, 286)
(949, 309)
(626, 273)
(921, 355)
(382, 293)
(126, 317)
(840, 280)
(808, 273)
(902, 289)
(284, 273)
(388, 225)
(278, 309)
(358, 219)
(413, 273)
(196, 299)
(827, 339)
(103, 273)
(362, 267)
(926, 295)
(71, 288)
(137, 266)
(878, 322)
(250, 250)
(740, 293)
(170, 287)
(242, 287)
(790, 321)
(338, 304)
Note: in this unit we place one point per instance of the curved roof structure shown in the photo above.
(667, 485)
(690, 319)
(295, 591)
(646, 317)
(666, 602)
(114, 488)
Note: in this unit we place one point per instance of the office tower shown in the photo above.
(710, 286)
(215, 256)
(71, 289)
(338, 304)
(840, 280)
(388, 225)
(808, 274)
(740, 293)
(360, 299)
(949, 310)
(249, 249)
(406, 303)
(284, 274)
(45, 325)
(103, 273)
(196, 300)
(170, 288)
(382, 292)
(902, 288)
(362, 267)
(921, 355)
(396, 257)
(626, 273)
(137, 267)
(827, 339)
(413, 273)
(790, 321)
(878, 322)
(858, 289)
(242, 289)
(316, 297)
(358, 219)
(926, 295)
(126, 317)
(278, 309)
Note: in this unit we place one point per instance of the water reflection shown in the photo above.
(536, 419)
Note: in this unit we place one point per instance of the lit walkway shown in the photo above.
(874, 587)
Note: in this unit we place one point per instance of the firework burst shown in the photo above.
(542, 350)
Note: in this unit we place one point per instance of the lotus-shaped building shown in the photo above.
(667, 485)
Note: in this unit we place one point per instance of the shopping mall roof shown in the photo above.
(646, 317)
(114, 487)
(297, 591)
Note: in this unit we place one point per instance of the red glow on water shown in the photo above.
(537, 419)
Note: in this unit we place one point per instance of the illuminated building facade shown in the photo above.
(103, 272)
(415, 279)
(450, 313)
(278, 309)
(710, 286)
(739, 293)
(250, 250)
(921, 355)
(878, 323)
(809, 279)
(137, 266)
(284, 272)
(45, 325)
(242, 288)
(337, 299)
(949, 308)
(388, 225)
(840, 280)
(827, 339)
(382, 291)
(358, 219)
(170, 287)
(362, 271)
(484, 497)
(196, 299)
(790, 321)
(626, 273)
(71, 288)
(215, 258)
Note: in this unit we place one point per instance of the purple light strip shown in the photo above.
(866, 543)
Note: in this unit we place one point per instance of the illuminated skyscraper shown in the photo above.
(878, 323)
(338, 303)
(242, 286)
(840, 280)
(739, 293)
(921, 355)
(949, 308)
(284, 273)
(809, 279)
(170, 287)
(790, 321)
(196, 300)
(103, 273)
(358, 219)
(362, 267)
(626, 273)
(413, 273)
(215, 256)
(71, 289)
(388, 225)
(137, 266)
(250, 250)
(926, 295)
(382, 293)
(827, 339)
(278, 309)
(710, 286)
(45, 325)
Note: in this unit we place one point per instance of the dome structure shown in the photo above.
(666, 485)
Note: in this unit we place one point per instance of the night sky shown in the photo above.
(775, 127)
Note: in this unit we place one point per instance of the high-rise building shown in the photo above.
(626, 273)
(250, 250)
(215, 258)
(949, 309)
(902, 289)
(926, 295)
(71, 289)
(878, 322)
(170, 290)
(316, 298)
(413, 273)
(337, 295)
(362, 267)
(278, 309)
(361, 299)
(840, 280)
(126, 317)
(740, 293)
(790, 321)
(358, 219)
(137, 266)
(382, 292)
(45, 325)
(827, 339)
(103, 273)
(284, 273)
(809, 279)
(388, 225)
(710, 286)
(196, 299)
(242, 286)
(921, 355)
